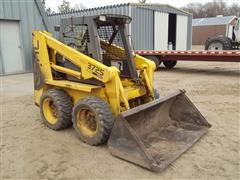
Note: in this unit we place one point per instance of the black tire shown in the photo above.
(169, 64)
(224, 41)
(61, 102)
(156, 94)
(155, 60)
(103, 118)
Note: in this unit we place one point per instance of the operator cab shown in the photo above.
(103, 38)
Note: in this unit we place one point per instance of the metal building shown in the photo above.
(154, 26)
(203, 28)
(17, 20)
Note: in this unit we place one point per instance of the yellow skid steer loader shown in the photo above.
(92, 79)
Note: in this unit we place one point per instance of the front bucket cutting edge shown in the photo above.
(155, 134)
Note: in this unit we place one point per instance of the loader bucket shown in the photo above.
(155, 134)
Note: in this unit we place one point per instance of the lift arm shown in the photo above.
(90, 68)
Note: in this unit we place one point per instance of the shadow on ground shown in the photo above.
(214, 71)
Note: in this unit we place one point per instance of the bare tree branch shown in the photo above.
(212, 9)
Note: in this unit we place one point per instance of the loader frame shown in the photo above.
(80, 86)
(45, 50)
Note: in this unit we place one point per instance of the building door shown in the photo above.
(10, 48)
(230, 31)
(182, 25)
(160, 31)
(172, 21)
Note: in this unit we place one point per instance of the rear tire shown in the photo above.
(155, 60)
(218, 43)
(93, 120)
(169, 64)
(56, 108)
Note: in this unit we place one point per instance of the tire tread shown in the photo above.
(105, 117)
(223, 40)
(64, 106)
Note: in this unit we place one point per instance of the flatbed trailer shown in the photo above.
(170, 58)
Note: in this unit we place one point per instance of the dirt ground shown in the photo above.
(29, 150)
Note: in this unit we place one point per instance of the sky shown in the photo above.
(97, 3)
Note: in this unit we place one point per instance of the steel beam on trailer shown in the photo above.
(218, 56)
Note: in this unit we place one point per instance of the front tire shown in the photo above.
(56, 108)
(93, 120)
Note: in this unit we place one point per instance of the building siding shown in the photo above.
(142, 26)
(189, 33)
(30, 15)
(204, 28)
(161, 24)
(55, 19)
(202, 33)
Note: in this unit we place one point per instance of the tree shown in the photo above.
(196, 9)
(234, 9)
(212, 9)
(65, 7)
(47, 10)
(44, 4)
(79, 6)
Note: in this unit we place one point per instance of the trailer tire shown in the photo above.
(156, 94)
(155, 60)
(169, 64)
(218, 43)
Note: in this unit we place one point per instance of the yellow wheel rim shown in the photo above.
(49, 111)
(87, 123)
